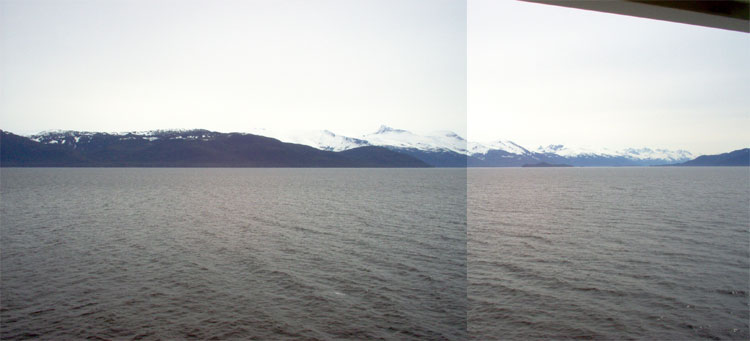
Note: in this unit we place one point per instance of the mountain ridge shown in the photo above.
(448, 149)
(739, 157)
(184, 148)
(438, 149)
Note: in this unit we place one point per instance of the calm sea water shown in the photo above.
(233, 253)
(609, 253)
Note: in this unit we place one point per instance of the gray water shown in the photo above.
(233, 253)
(609, 253)
(593, 253)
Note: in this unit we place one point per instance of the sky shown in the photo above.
(541, 74)
(531, 73)
(346, 66)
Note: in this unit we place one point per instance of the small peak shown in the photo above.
(552, 148)
(386, 129)
(383, 129)
(453, 135)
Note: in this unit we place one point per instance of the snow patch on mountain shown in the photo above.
(75, 137)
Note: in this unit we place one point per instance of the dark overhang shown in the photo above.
(724, 14)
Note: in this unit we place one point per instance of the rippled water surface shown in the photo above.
(233, 253)
(609, 253)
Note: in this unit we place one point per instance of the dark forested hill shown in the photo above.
(740, 157)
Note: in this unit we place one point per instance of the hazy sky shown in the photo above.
(541, 74)
(347, 66)
(537, 74)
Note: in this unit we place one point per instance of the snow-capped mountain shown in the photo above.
(628, 153)
(568, 151)
(441, 148)
(679, 155)
(321, 139)
(480, 149)
(446, 148)
(440, 141)
(182, 148)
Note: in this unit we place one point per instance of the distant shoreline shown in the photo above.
(545, 165)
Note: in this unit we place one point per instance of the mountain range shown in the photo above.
(448, 149)
(386, 147)
(183, 148)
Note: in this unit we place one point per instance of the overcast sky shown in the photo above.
(347, 66)
(537, 74)
(541, 74)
